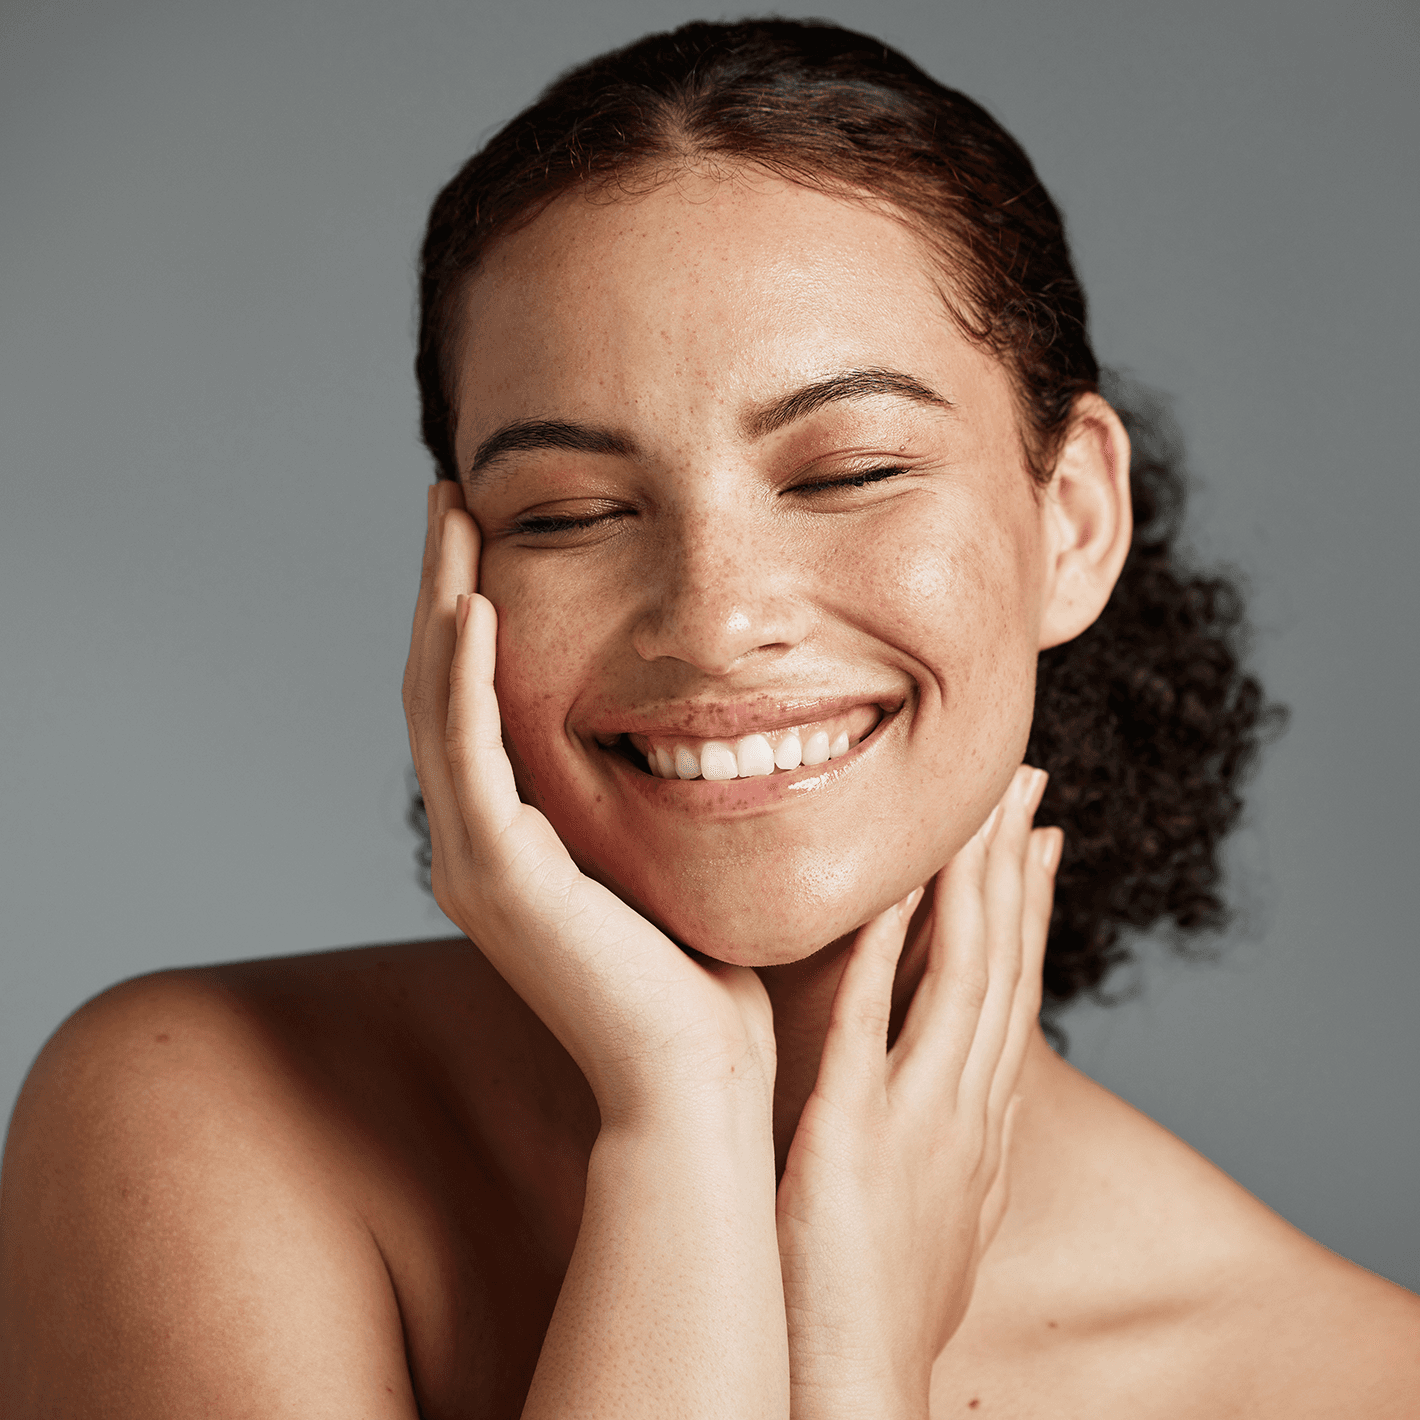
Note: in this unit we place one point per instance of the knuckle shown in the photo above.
(970, 985)
(866, 1018)
(459, 744)
(418, 703)
(872, 1018)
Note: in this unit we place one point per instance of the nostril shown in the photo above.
(713, 631)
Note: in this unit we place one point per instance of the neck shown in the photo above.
(801, 994)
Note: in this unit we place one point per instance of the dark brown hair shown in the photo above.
(1146, 721)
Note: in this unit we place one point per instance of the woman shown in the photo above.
(780, 527)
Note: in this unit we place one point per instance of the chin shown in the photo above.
(757, 915)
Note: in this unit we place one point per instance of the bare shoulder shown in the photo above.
(296, 1186)
(1264, 1321)
(1138, 1280)
(178, 1231)
(1302, 1332)
(1260, 1320)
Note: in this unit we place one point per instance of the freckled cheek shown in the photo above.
(547, 649)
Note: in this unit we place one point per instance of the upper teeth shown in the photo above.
(757, 754)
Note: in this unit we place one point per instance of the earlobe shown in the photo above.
(1087, 521)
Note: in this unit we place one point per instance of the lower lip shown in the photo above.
(718, 798)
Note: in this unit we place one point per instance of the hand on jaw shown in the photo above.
(896, 1181)
(844, 1289)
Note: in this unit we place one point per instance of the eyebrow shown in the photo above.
(851, 384)
(529, 434)
(526, 435)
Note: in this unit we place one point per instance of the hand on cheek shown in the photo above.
(575, 952)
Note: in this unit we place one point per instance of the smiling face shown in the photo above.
(744, 487)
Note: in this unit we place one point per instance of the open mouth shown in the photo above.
(752, 756)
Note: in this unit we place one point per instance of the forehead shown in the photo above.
(690, 302)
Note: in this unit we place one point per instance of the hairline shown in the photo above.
(667, 167)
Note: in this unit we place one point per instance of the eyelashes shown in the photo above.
(533, 525)
(550, 525)
(855, 480)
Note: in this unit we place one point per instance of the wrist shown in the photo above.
(853, 1373)
(722, 1091)
(842, 1398)
(724, 1122)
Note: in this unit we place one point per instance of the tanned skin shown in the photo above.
(739, 1105)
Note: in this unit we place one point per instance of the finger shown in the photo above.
(421, 604)
(454, 571)
(430, 634)
(426, 569)
(855, 1045)
(454, 563)
(936, 1035)
(1042, 863)
(1004, 903)
(416, 691)
(481, 774)
(998, 1195)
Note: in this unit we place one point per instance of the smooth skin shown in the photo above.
(718, 1117)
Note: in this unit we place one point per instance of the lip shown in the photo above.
(730, 719)
(729, 798)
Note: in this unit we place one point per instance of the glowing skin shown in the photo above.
(700, 588)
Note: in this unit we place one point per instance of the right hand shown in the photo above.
(651, 1028)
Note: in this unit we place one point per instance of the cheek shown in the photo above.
(548, 644)
(954, 590)
(957, 593)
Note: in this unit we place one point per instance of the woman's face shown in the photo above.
(741, 483)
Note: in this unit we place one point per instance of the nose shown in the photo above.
(720, 594)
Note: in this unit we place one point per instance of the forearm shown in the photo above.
(673, 1303)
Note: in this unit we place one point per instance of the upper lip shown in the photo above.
(730, 719)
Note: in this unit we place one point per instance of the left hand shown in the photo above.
(896, 1177)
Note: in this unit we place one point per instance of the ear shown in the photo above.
(1087, 521)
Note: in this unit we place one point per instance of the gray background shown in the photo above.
(213, 493)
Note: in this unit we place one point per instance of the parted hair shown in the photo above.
(1148, 721)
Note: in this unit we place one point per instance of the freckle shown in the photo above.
(972, 1404)
(161, 1039)
(1053, 1324)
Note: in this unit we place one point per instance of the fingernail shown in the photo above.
(1020, 785)
(908, 905)
(984, 832)
(1037, 788)
(1050, 850)
(462, 603)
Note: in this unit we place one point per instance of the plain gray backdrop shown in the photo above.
(213, 493)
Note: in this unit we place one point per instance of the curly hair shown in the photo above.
(1147, 722)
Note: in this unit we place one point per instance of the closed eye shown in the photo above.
(546, 524)
(550, 524)
(852, 480)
